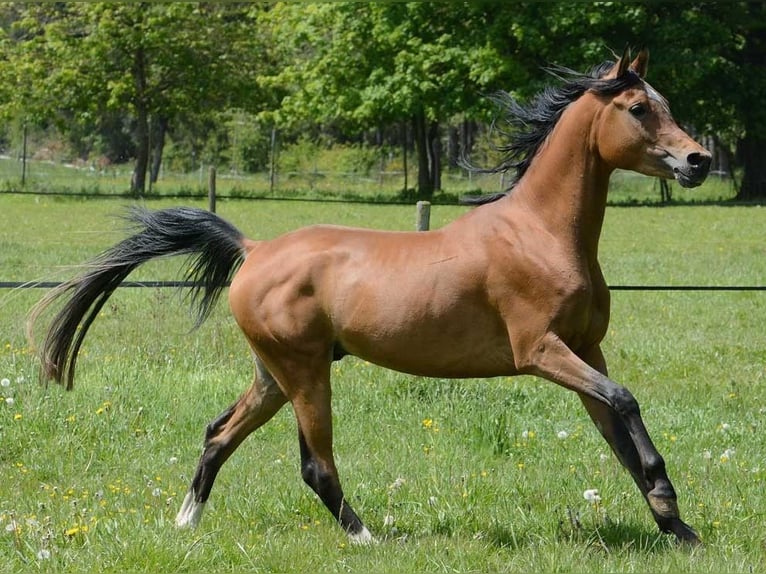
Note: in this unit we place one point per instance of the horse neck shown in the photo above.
(566, 184)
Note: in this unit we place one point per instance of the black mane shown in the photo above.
(527, 126)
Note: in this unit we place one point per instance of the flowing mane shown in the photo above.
(528, 126)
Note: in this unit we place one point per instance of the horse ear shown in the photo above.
(640, 64)
(621, 67)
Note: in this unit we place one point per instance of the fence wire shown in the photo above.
(190, 284)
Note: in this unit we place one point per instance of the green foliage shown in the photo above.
(108, 73)
(458, 476)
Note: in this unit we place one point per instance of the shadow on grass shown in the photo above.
(607, 538)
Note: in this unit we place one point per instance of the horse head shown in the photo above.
(637, 131)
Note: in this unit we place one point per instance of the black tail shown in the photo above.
(216, 248)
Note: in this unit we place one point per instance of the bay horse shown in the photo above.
(513, 286)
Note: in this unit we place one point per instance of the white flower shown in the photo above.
(5, 383)
(43, 554)
(562, 434)
(397, 484)
(591, 495)
(725, 426)
(9, 401)
(173, 460)
(603, 457)
(727, 454)
(157, 492)
(388, 520)
(707, 455)
(11, 526)
(432, 501)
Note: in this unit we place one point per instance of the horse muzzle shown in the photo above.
(693, 169)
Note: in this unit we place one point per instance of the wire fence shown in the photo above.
(192, 284)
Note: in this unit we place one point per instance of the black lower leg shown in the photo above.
(648, 472)
(327, 486)
(211, 460)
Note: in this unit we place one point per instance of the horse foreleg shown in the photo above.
(222, 437)
(617, 436)
(659, 493)
(313, 412)
(618, 417)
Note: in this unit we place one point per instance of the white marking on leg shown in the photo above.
(363, 538)
(191, 512)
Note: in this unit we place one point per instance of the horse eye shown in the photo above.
(638, 111)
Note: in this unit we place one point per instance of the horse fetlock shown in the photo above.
(362, 538)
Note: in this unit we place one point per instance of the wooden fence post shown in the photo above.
(423, 216)
(211, 190)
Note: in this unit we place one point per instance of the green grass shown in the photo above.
(96, 476)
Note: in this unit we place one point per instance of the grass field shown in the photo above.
(450, 476)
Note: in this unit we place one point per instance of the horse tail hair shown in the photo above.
(215, 248)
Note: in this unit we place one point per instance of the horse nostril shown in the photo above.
(699, 161)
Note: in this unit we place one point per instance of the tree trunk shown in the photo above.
(453, 146)
(158, 146)
(420, 133)
(753, 150)
(404, 154)
(435, 156)
(138, 180)
(753, 145)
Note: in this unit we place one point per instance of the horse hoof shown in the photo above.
(685, 534)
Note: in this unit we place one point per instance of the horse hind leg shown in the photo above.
(254, 408)
(313, 412)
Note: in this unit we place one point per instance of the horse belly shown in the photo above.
(464, 343)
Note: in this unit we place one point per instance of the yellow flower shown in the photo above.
(428, 423)
(17, 417)
(75, 530)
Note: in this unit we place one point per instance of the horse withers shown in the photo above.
(511, 287)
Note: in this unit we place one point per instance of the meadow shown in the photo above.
(450, 476)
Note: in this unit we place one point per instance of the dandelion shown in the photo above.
(5, 382)
(12, 526)
(17, 417)
(562, 434)
(43, 554)
(591, 495)
(528, 434)
(75, 530)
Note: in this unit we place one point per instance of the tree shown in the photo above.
(146, 61)
(362, 65)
